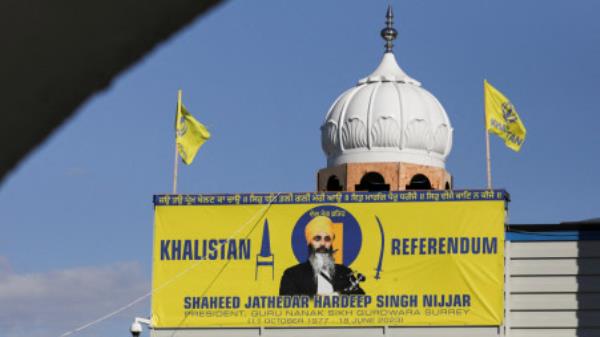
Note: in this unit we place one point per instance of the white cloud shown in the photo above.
(4, 266)
(51, 303)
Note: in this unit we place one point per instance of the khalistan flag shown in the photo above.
(191, 134)
(502, 119)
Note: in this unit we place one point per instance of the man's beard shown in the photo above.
(321, 260)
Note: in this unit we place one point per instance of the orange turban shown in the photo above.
(319, 224)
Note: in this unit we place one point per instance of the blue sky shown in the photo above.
(77, 212)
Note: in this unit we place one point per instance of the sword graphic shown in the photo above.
(380, 263)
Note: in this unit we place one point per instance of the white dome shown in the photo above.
(387, 117)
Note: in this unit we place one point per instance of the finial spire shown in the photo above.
(389, 33)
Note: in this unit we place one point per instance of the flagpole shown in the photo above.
(487, 143)
(176, 163)
(487, 157)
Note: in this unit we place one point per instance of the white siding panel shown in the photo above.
(555, 319)
(568, 266)
(554, 284)
(555, 333)
(554, 301)
(554, 289)
(546, 249)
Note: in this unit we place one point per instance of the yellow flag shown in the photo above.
(191, 134)
(502, 119)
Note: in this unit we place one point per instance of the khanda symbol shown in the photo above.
(508, 112)
(182, 128)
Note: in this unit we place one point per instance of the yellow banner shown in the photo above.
(329, 259)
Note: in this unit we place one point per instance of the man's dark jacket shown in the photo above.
(300, 280)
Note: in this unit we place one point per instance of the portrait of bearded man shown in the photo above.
(320, 275)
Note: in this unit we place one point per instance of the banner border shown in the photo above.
(290, 198)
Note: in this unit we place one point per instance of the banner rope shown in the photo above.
(174, 278)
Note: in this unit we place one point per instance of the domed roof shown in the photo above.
(387, 117)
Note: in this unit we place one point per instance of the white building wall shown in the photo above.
(554, 289)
